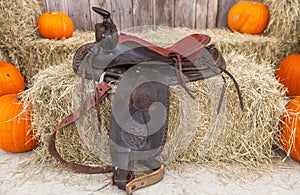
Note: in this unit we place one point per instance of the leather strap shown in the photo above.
(100, 93)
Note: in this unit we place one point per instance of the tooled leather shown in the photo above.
(80, 54)
(140, 103)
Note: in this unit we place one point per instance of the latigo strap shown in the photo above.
(102, 89)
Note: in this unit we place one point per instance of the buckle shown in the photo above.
(145, 180)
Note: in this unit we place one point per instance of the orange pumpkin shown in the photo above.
(290, 135)
(11, 79)
(248, 17)
(288, 74)
(15, 125)
(55, 25)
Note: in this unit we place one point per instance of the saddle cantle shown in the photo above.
(140, 107)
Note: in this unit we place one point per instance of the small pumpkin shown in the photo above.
(248, 17)
(55, 25)
(11, 79)
(15, 126)
(290, 134)
(288, 74)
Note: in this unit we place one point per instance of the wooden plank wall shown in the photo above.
(129, 13)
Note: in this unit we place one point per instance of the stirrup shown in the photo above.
(144, 180)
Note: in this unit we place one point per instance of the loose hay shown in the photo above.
(247, 138)
(3, 56)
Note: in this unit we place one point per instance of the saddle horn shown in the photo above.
(106, 32)
(104, 13)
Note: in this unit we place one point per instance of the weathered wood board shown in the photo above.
(130, 13)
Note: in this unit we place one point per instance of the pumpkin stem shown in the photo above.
(53, 12)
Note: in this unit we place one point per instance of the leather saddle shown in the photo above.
(143, 73)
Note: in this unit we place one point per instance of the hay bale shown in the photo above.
(247, 138)
(43, 53)
(18, 28)
(249, 135)
(51, 96)
(285, 15)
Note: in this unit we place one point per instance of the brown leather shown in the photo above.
(102, 89)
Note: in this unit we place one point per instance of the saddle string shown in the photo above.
(82, 87)
(222, 95)
(236, 87)
(88, 62)
(97, 103)
(180, 76)
(219, 57)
